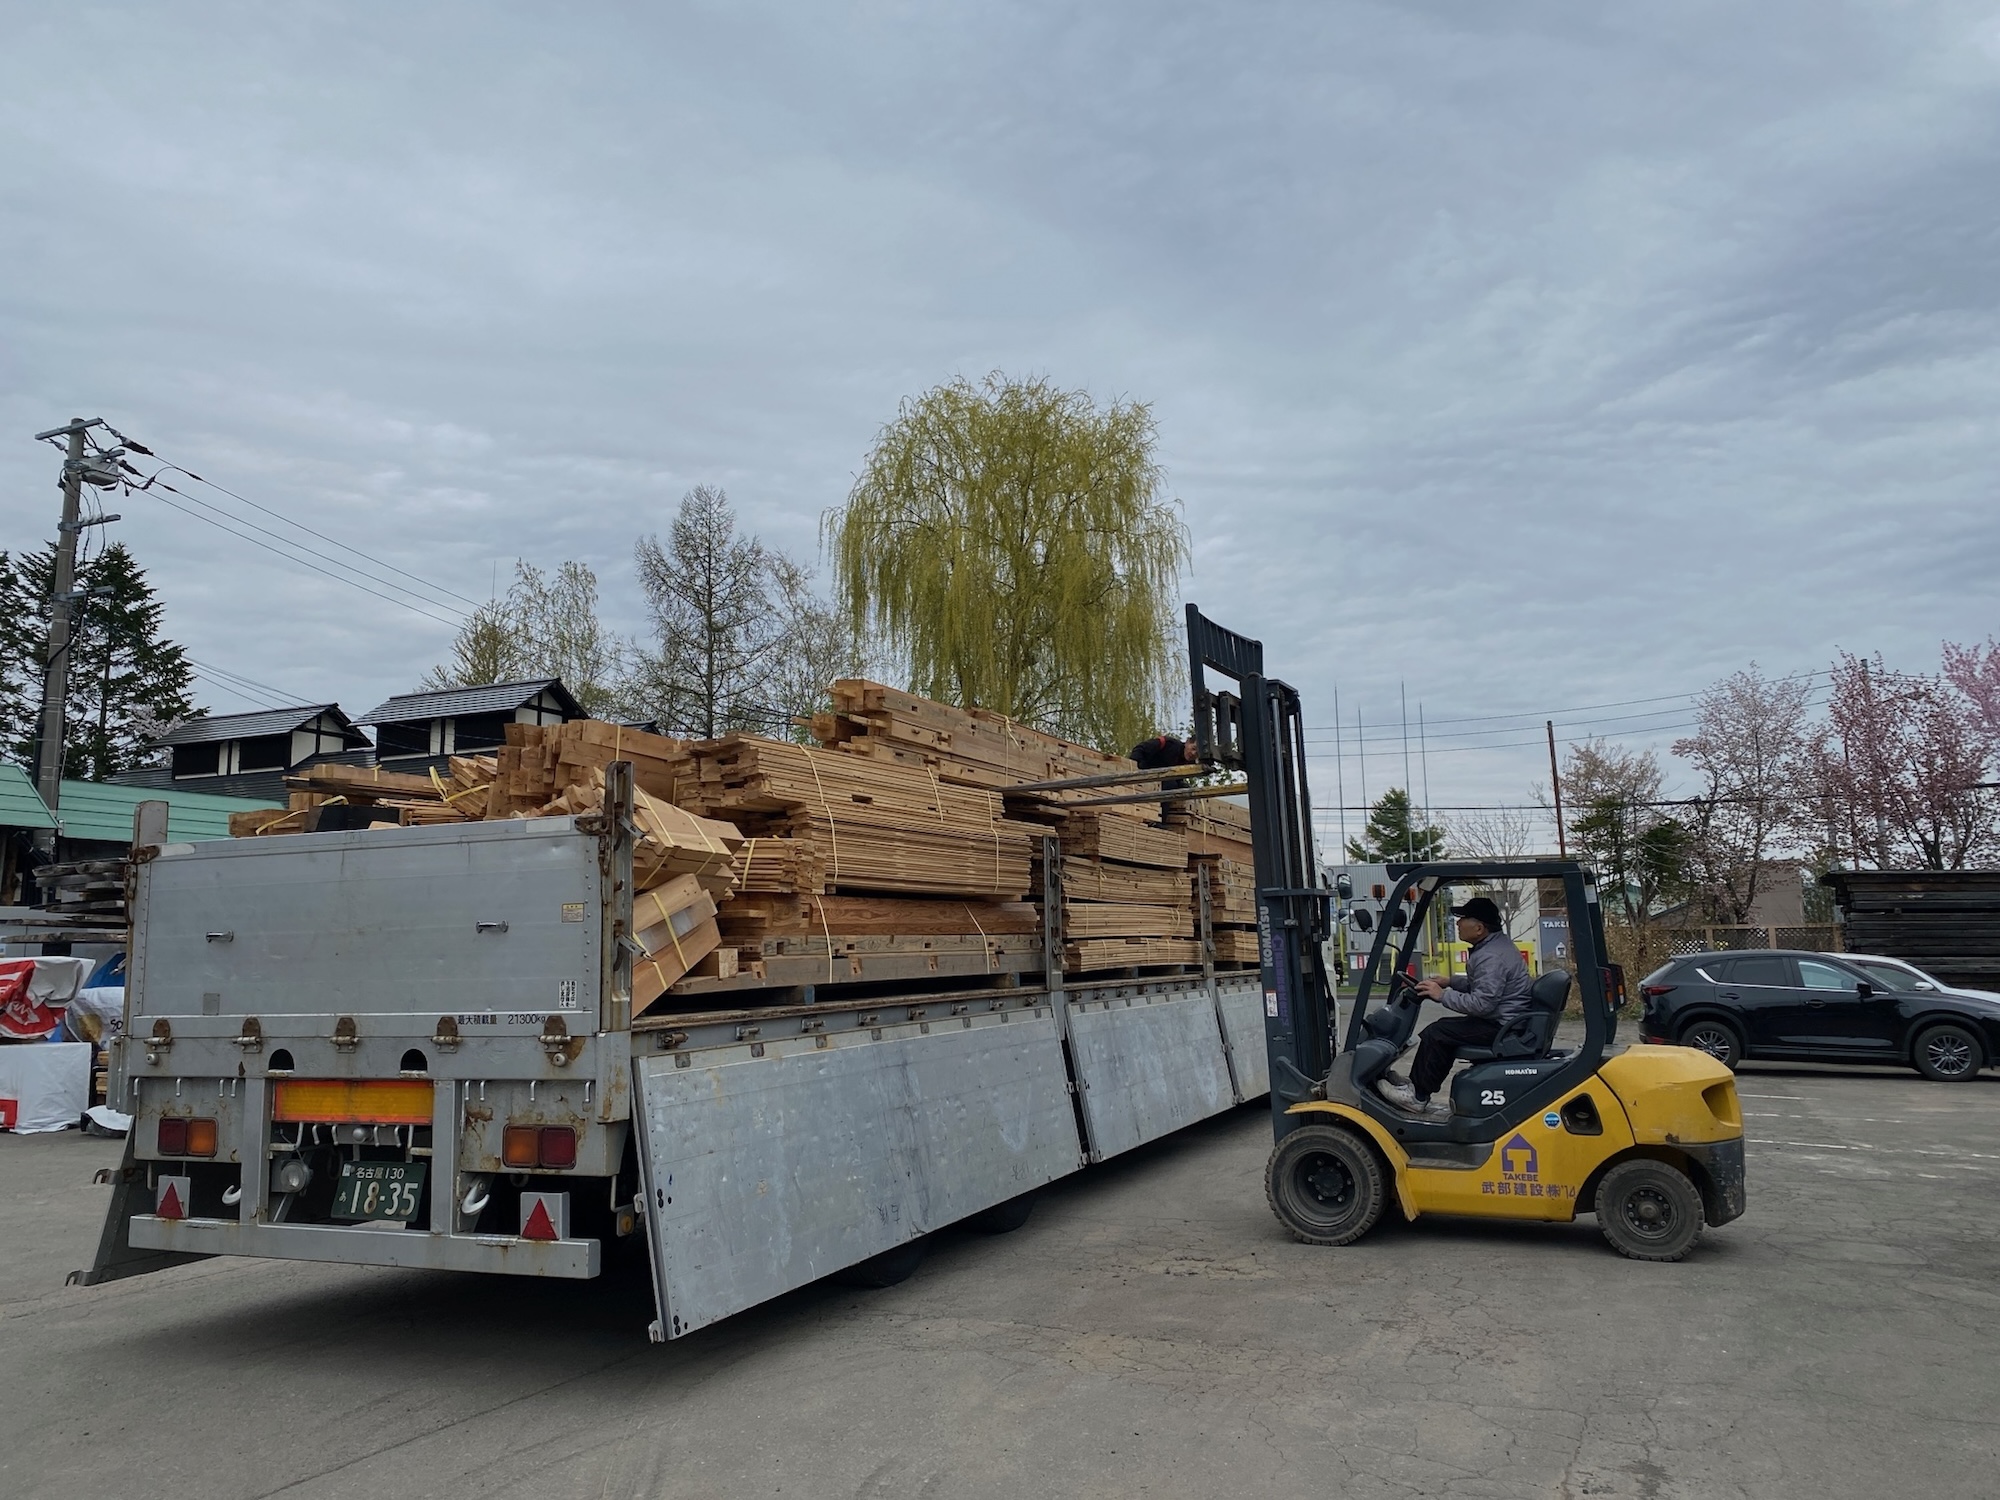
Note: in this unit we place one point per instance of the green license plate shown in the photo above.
(379, 1190)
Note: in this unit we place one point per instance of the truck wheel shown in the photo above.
(1718, 1039)
(1005, 1218)
(1325, 1185)
(1948, 1054)
(888, 1268)
(1649, 1210)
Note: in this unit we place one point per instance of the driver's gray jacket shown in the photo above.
(1494, 984)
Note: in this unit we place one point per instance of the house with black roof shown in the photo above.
(250, 755)
(416, 730)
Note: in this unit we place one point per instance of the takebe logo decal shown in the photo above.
(1520, 1174)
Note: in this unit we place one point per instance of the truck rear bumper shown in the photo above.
(499, 1254)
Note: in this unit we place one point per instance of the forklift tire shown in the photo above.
(1325, 1185)
(1948, 1054)
(888, 1268)
(1649, 1210)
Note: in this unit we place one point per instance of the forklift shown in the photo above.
(1649, 1139)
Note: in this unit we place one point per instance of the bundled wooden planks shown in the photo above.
(1130, 953)
(965, 746)
(875, 827)
(540, 761)
(1215, 826)
(1096, 834)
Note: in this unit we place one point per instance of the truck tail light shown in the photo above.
(521, 1146)
(182, 1137)
(201, 1137)
(558, 1146)
(173, 1137)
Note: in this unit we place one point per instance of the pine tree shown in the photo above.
(127, 684)
(1391, 835)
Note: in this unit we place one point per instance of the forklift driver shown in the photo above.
(1492, 991)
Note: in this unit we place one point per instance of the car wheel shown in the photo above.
(1718, 1039)
(1649, 1210)
(1948, 1054)
(1325, 1185)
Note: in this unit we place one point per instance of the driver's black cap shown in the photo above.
(1480, 909)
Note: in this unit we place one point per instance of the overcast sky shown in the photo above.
(1524, 357)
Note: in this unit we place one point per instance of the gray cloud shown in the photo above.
(1530, 357)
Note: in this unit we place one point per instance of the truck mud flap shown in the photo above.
(117, 1257)
(1241, 1008)
(1147, 1065)
(767, 1165)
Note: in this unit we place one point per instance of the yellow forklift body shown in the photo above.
(1674, 1096)
(1670, 1096)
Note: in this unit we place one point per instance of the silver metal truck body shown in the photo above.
(477, 975)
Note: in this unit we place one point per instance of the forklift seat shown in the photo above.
(1533, 1032)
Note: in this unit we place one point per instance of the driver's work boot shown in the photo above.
(1399, 1094)
(1433, 1112)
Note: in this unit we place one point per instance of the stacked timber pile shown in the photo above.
(961, 746)
(849, 853)
(901, 845)
(1218, 835)
(1126, 900)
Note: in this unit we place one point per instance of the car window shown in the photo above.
(1891, 976)
(1760, 969)
(1817, 976)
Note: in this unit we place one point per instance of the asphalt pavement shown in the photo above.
(1150, 1332)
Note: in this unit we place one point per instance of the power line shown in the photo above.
(336, 577)
(248, 695)
(437, 588)
(285, 541)
(1557, 713)
(285, 699)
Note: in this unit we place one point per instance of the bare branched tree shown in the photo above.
(1505, 833)
(741, 640)
(546, 626)
(1750, 750)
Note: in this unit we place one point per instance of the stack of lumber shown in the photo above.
(1215, 827)
(1232, 907)
(876, 826)
(1126, 898)
(540, 761)
(961, 746)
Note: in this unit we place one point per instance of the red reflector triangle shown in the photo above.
(539, 1226)
(170, 1204)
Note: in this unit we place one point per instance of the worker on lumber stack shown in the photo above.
(1161, 752)
(1492, 991)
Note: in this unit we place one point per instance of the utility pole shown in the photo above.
(55, 678)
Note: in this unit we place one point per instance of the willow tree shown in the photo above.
(1012, 544)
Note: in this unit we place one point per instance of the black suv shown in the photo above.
(1821, 1007)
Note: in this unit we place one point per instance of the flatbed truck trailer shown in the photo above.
(414, 1047)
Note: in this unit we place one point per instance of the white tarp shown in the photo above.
(49, 1081)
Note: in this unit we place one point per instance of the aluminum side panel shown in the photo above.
(1146, 1070)
(1242, 1010)
(766, 1173)
(388, 920)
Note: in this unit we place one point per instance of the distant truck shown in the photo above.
(1946, 922)
(414, 1047)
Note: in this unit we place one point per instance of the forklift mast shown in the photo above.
(1257, 729)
